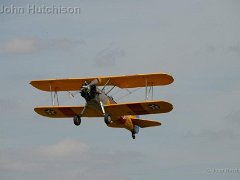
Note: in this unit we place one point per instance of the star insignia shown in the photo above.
(154, 106)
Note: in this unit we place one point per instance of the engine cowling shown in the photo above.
(89, 92)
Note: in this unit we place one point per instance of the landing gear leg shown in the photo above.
(77, 118)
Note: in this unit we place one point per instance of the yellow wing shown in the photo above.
(115, 110)
(139, 108)
(66, 111)
(129, 81)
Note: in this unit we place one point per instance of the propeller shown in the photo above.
(95, 82)
(89, 91)
(92, 83)
(85, 86)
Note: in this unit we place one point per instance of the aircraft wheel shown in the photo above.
(77, 120)
(107, 119)
(133, 135)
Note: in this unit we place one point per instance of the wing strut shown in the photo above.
(110, 90)
(53, 96)
(106, 84)
(148, 91)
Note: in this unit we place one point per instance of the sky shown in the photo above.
(196, 41)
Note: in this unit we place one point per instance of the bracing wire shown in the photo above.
(129, 92)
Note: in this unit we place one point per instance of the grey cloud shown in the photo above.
(12, 106)
(71, 159)
(34, 45)
(234, 118)
(231, 48)
(211, 49)
(64, 44)
(19, 46)
(108, 57)
(7, 106)
(215, 135)
(235, 48)
(32, 159)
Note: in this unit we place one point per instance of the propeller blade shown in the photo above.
(95, 82)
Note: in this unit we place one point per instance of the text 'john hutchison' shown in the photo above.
(38, 9)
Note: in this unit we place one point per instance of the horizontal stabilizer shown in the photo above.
(145, 123)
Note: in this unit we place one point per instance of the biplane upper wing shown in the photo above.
(128, 81)
(139, 108)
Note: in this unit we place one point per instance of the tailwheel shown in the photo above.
(107, 119)
(77, 120)
(133, 135)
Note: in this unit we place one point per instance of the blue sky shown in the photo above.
(198, 42)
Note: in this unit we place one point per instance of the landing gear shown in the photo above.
(135, 131)
(133, 135)
(107, 119)
(77, 120)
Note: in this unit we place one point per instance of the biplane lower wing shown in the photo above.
(115, 110)
(65, 111)
(139, 108)
(129, 81)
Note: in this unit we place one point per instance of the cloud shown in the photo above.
(31, 159)
(64, 44)
(19, 46)
(211, 49)
(67, 159)
(223, 135)
(108, 57)
(234, 118)
(235, 48)
(64, 148)
(230, 48)
(34, 45)
(7, 106)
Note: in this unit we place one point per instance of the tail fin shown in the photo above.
(145, 123)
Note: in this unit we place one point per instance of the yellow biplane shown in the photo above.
(100, 104)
